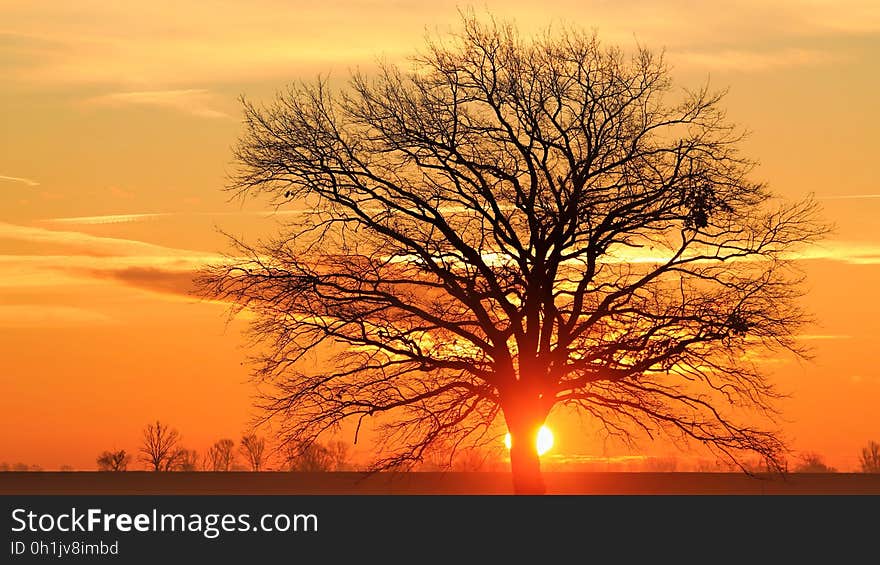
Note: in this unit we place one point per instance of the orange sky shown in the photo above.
(116, 122)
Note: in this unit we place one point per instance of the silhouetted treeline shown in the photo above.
(161, 450)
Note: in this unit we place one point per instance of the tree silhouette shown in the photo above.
(870, 458)
(253, 449)
(315, 457)
(512, 226)
(813, 463)
(184, 460)
(113, 460)
(160, 449)
(221, 455)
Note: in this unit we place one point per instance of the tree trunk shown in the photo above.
(524, 461)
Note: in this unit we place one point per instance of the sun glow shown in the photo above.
(544, 442)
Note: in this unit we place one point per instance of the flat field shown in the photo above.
(588, 483)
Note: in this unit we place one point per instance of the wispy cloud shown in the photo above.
(156, 279)
(752, 61)
(854, 253)
(849, 197)
(850, 16)
(42, 316)
(22, 180)
(87, 244)
(107, 219)
(99, 42)
(75, 258)
(142, 217)
(863, 379)
(170, 276)
(820, 337)
(197, 102)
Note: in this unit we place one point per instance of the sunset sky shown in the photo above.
(116, 126)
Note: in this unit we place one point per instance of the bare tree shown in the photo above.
(870, 458)
(221, 456)
(114, 460)
(512, 226)
(160, 449)
(253, 449)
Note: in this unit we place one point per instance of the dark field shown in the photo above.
(595, 483)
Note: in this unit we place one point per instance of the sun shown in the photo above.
(544, 443)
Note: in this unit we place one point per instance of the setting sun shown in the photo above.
(544, 442)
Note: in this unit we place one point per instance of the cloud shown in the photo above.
(106, 42)
(861, 379)
(120, 193)
(142, 217)
(162, 280)
(752, 61)
(107, 219)
(821, 337)
(196, 102)
(92, 245)
(848, 17)
(854, 253)
(73, 258)
(29, 182)
(133, 253)
(64, 271)
(42, 316)
(851, 252)
(849, 197)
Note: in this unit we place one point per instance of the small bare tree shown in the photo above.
(221, 455)
(253, 449)
(870, 458)
(160, 449)
(113, 460)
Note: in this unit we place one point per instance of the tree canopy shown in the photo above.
(508, 226)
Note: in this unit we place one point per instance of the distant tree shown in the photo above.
(716, 466)
(472, 459)
(160, 449)
(253, 449)
(466, 459)
(703, 465)
(759, 465)
(660, 464)
(315, 456)
(870, 458)
(113, 460)
(512, 226)
(22, 467)
(813, 463)
(221, 456)
(185, 460)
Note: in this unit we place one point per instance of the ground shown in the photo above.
(596, 483)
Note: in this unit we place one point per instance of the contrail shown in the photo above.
(29, 182)
(848, 197)
(127, 218)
